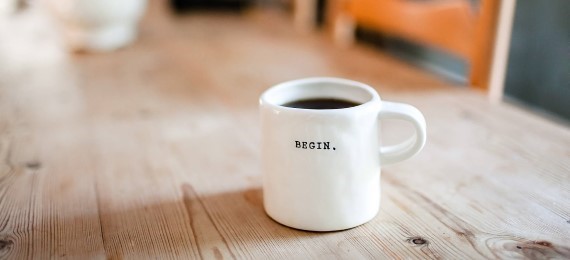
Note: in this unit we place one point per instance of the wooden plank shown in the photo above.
(305, 15)
(501, 50)
(38, 116)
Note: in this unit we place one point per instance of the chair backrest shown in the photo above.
(455, 26)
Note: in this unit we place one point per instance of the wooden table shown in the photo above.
(152, 151)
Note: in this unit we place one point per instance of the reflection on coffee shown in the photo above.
(321, 103)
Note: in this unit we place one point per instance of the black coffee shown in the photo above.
(321, 103)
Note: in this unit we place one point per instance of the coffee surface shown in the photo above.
(321, 103)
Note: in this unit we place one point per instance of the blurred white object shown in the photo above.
(8, 6)
(98, 25)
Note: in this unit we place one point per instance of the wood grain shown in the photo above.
(152, 151)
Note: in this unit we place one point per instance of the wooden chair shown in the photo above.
(454, 26)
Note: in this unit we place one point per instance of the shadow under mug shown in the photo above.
(321, 167)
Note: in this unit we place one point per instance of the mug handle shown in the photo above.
(402, 151)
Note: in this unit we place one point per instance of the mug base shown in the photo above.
(321, 229)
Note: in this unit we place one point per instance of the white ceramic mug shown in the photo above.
(98, 25)
(321, 167)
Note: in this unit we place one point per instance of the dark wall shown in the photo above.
(539, 59)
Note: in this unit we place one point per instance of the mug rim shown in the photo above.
(374, 100)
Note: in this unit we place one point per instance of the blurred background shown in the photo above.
(509, 50)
